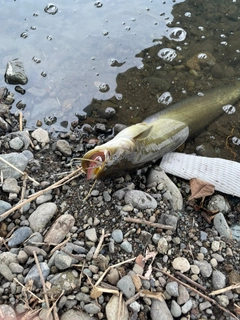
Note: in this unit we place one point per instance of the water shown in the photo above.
(134, 56)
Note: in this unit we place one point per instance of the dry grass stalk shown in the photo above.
(232, 287)
(152, 224)
(59, 246)
(18, 170)
(27, 290)
(35, 195)
(20, 121)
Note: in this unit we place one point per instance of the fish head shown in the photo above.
(107, 159)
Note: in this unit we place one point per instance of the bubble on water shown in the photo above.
(178, 34)
(50, 120)
(167, 54)
(49, 38)
(35, 14)
(43, 74)
(118, 96)
(105, 33)
(127, 28)
(24, 35)
(229, 109)
(236, 141)
(36, 60)
(165, 98)
(51, 9)
(98, 4)
(33, 28)
(104, 87)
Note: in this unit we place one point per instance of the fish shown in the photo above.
(140, 144)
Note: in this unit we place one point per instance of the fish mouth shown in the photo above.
(94, 163)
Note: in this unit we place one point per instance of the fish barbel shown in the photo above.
(158, 134)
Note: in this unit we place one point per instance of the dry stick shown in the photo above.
(100, 244)
(232, 287)
(40, 300)
(152, 224)
(191, 281)
(119, 306)
(41, 279)
(198, 292)
(35, 195)
(53, 307)
(59, 245)
(20, 121)
(23, 173)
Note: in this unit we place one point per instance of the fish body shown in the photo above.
(158, 134)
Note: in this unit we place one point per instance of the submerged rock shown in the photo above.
(15, 73)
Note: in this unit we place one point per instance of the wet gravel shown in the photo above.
(94, 261)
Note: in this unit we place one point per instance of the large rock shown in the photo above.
(17, 160)
(15, 73)
(41, 216)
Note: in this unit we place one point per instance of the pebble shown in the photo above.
(162, 246)
(34, 274)
(181, 264)
(59, 229)
(172, 288)
(18, 160)
(6, 272)
(175, 309)
(19, 236)
(112, 308)
(75, 314)
(8, 257)
(43, 198)
(80, 296)
(218, 202)
(16, 267)
(159, 310)
(204, 305)
(41, 216)
(223, 300)
(117, 235)
(4, 206)
(15, 73)
(41, 135)
(218, 280)
(169, 220)
(91, 234)
(7, 312)
(10, 185)
(221, 225)
(187, 306)
(205, 268)
(62, 261)
(113, 276)
(92, 308)
(183, 295)
(126, 246)
(64, 147)
(140, 200)
(126, 285)
(16, 143)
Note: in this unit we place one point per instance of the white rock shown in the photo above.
(181, 264)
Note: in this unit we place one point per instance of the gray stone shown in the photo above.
(4, 206)
(172, 288)
(183, 295)
(218, 280)
(91, 234)
(62, 261)
(7, 312)
(218, 202)
(112, 308)
(169, 220)
(64, 147)
(16, 267)
(34, 274)
(158, 176)
(140, 200)
(221, 225)
(205, 268)
(83, 297)
(44, 198)
(19, 236)
(16, 143)
(76, 315)
(106, 196)
(223, 300)
(36, 239)
(31, 249)
(41, 216)
(92, 308)
(40, 135)
(6, 272)
(162, 246)
(126, 246)
(18, 160)
(117, 235)
(204, 305)
(15, 73)
(160, 311)
(187, 306)
(181, 263)
(10, 185)
(8, 257)
(175, 309)
(126, 285)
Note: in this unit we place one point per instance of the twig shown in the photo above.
(152, 224)
(60, 245)
(40, 300)
(89, 192)
(198, 292)
(133, 298)
(35, 195)
(119, 306)
(20, 121)
(191, 281)
(41, 279)
(53, 307)
(15, 168)
(232, 287)
(100, 244)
